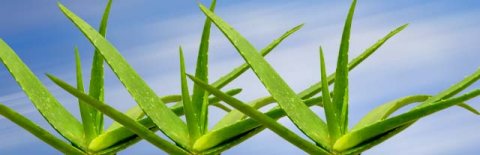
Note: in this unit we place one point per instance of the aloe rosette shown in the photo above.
(192, 136)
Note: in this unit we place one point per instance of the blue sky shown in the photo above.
(439, 48)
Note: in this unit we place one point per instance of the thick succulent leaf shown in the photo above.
(375, 141)
(123, 119)
(58, 117)
(317, 87)
(383, 111)
(151, 104)
(340, 90)
(194, 128)
(329, 108)
(38, 131)
(85, 109)
(260, 117)
(224, 134)
(117, 134)
(224, 80)
(298, 112)
(199, 96)
(96, 87)
(236, 115)
(137, 113)
(361, 135)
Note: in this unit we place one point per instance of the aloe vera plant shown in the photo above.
(192, 136)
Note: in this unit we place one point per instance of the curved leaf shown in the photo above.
(361, 135)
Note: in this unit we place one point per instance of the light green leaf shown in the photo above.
(224, 80)
(260, 117)
(229, 132)
(340, 90)
(117, 136)
(317, 87)
(297, 111)
(331, 113)
(454, 89)
(194, 128)
(382, 112)
(137, 113)
(236, 115)
(85, 109)
(361, 135)
(116, 133)
(38, 131)
(200, 97)
(96, 88)
(123, 119)
(58, 117)
(166, 120)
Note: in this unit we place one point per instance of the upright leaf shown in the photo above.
(96, 88)
(58, 117)
(188, 107)
(317, 87)
(153, 106)
(37, 131)
(297, 111)
(85, 109)
(200, 97)
(329, 107)
(340, 90)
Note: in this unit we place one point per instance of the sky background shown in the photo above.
(438, 49)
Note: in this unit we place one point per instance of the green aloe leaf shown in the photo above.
(166, 120)
(38, 131)
(330, 112)
(85, 109)
(340, 90)
(58, 117)
(200, 97)
(137, 113)
(96, 87)
(361, 135)
(118, 116)
(221, 136)
(192, 121)
(317, 87)
(382, 112)
(235, 115)
(260, 117)
(297, 111)
(224, 80)
(117, 134)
